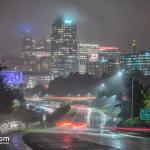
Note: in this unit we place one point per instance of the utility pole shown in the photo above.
(132, 99)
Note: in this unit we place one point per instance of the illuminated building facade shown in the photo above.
(12, 77)
(35, 51)
(137, 62)
(104, 60)
(113, 57)
(97, 60)
(97, 65)
(64, 46)
(36, 54)
(85, 50)
(32, 80)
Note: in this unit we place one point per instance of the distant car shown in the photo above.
(13, 125)
(32, 107)
(37, 109)
(49, 110)
(45, 105)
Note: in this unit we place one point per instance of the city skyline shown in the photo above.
(115, 23)
(74, 74)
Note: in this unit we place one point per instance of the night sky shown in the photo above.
(108, 22)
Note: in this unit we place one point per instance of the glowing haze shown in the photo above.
(112, 22)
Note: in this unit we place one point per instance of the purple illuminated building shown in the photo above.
(12, 77)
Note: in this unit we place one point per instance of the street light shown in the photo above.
(102, 86)
(120, 73)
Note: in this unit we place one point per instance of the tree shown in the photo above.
(8, 95)
(74, 84)
(16, 104)
(147, 99)
(130, 122)
(138, 98)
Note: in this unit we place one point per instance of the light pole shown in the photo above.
(120, 73)
(132, 96)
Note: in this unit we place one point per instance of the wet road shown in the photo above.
(67, 141)
(60, 142)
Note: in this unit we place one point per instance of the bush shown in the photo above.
(130, 122)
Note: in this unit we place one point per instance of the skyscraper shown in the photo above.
(85, 50)
(105, 60)
(64, 46)
(36, 55)
(35, 50)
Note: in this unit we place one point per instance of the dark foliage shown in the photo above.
(58, 114)
(38, 90)
(138, 98)
(74, 84)
(7, 95)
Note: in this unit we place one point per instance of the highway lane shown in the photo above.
(51, 139)
(90, 141)
(118, 141)
(47, 141)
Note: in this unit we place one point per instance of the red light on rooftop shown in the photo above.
(105, 48)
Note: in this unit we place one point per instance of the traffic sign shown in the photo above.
(145, 114)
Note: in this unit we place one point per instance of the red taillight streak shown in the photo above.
(63, 124)
(71, 124)
(79, 125)
(128, 129)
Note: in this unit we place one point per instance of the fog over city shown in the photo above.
(75, 74)
(114, 22)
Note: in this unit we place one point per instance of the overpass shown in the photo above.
(62, 99)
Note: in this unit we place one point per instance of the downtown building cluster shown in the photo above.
(137, 62)
(62, 53)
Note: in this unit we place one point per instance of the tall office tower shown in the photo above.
(64, 46)
(85, 50)
(34, 51)
(36, 55)
(27, 47)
